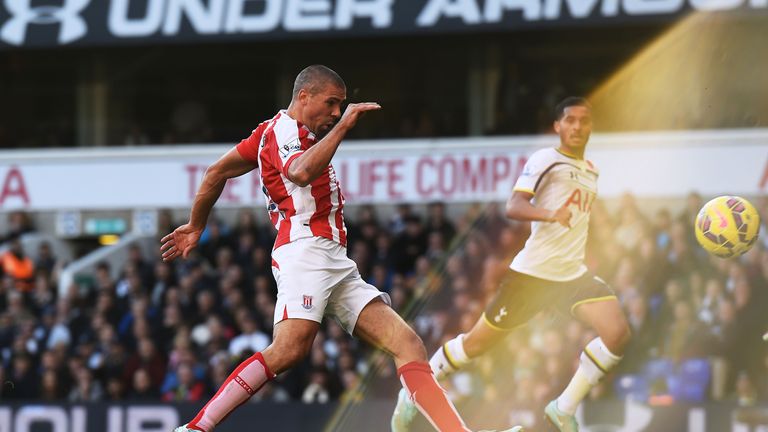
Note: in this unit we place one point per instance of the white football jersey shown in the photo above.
(554, 252)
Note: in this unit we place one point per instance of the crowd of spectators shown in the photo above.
(174, 331)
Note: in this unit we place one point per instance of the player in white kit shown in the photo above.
(314, 276)
(555, 192)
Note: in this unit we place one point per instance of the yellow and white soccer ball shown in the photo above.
(727, 226)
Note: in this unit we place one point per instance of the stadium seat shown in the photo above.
(632, 386)
(658, 369)
(691, 381)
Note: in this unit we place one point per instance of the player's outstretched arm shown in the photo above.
(184, 238)
(519, 207)
(313, 162)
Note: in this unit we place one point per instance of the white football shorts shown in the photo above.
(316, 278)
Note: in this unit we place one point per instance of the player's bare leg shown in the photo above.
(379, 325)
(449, 358)
(292, 342)
(599, 357)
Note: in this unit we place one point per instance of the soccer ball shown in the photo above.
(727, 226)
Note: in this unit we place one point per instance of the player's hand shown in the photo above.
(180, 242)
(562, 216)
(354, 111)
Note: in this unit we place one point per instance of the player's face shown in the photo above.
(575, 126)
(323, 109)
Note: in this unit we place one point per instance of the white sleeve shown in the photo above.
(532, 172)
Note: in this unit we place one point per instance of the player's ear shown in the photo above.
(556, 126)
(303, 96)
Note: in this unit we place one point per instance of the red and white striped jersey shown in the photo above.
(297, 212)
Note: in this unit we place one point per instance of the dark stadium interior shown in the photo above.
(225, 90)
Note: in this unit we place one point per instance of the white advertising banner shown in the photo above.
(452, 170)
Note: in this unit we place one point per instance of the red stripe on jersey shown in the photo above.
(272, 179)
(288, 163)
(321, 192)
(340, 218)
(249, 147)
(285, 312)
(274, 264)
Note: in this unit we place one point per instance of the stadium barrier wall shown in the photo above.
(115, 255)
(370, 416)
(668, 164)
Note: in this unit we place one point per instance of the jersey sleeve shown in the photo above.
(249, 147)
(532, 171)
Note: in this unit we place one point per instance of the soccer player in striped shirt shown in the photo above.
(555, 193)
(314, 276)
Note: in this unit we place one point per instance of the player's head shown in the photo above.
(318, 93)
(573, 122)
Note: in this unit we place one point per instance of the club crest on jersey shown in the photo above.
(307, 302)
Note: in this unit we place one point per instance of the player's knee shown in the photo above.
(412, 347)
(292, 352)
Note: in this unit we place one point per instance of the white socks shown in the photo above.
(449, 358)
(595, 361)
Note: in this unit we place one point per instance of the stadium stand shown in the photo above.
(173, 332)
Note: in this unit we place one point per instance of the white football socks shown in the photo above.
(595, 361)
(449, 358)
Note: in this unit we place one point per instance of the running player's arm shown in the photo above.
(183, 239)
(306, 168)
(519, 207)
(231, 165)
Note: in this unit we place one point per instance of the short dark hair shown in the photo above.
(569, 102)
(314, 79)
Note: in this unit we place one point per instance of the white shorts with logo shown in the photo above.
(316, 278)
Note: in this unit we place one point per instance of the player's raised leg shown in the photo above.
(379, 325)
(516, 301)
(292, 342)
(599, 357)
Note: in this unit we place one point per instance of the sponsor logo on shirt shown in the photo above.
(289, 148)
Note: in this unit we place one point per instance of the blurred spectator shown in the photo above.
(317, 390)
(684, 338)
(86, 389)
(271, 391)
(644, 335)
(142, 387)
(146, 358)
(23, 380)
(746, 393)
(187, 389)
(18, 266)
(251, 339)
(409, 244)
(19, 223)
(437, 221)
(46, 261)
(50, 388)
(631, 226)
(115, 389)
